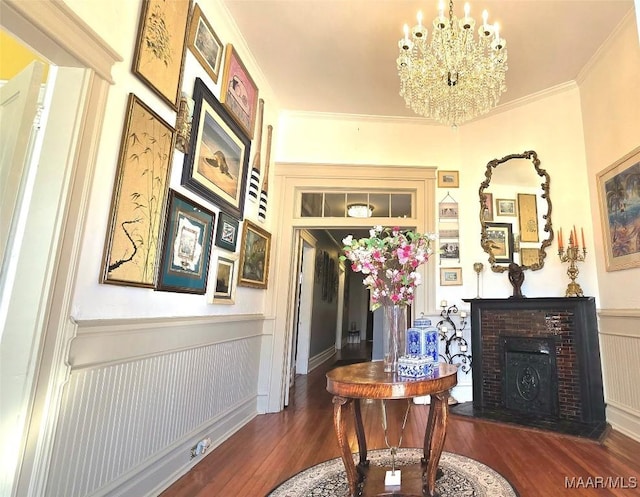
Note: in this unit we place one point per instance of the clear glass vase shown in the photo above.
(394, 336)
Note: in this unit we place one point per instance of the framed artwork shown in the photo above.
(529, 256)
(216, 166)
(450, 250)
(450, 276)
(449, 233)
(620, 211)
(204, 44)
(254, 256)
(500, 241)
(487, 207)
(239, 94)
(528, 217)
(159, 55)
(227, 232)
(186, 248)
(448, 210)
(224, 291)
(506, 207)
(448, 179)
(131, 250)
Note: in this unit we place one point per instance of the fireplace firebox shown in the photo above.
(536, 362)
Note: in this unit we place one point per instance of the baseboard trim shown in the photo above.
(321, 358)
(165, 468)
(624, 420)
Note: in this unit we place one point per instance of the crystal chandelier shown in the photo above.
(453, 78)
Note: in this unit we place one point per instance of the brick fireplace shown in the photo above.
(536, 362)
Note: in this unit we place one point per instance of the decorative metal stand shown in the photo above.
(477, 267)
(451, 334)
(572, 255)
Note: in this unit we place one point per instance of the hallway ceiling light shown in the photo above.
(453, 78)
(359, 210)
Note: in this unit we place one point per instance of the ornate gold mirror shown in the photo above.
(515, 212)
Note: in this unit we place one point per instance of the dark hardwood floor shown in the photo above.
(273, 447)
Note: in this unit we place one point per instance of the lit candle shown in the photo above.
(419, 18)
(463, 314)
(496, 26)
(463, 348)
(467, 9)
(458, 333)
(583, 244)
(444, 329)
(485, 17)
(443, 303)
(406, 32)
(441, 8)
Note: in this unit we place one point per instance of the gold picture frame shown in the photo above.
(506, 207)
(132, 252)
(448, 179)
(204, 44)
(529, 256)
(238, 92)
(450, 276)
(255, 252)
(528, 217)
(619, 213)
(160, 47)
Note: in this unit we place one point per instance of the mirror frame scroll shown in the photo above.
(484, 241)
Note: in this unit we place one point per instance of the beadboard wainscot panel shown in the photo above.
(620, 350)
(142, 392)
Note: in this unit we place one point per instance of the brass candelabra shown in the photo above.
(573, 254)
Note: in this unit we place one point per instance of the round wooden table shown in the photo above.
(367, 380)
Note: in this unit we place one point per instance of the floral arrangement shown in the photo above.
(390, 258)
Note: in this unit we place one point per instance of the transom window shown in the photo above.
(356, 204)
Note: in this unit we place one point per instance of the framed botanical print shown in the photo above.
(216, 166)
(500, 241)
(254, 256)
(160, 47)
(227, 232)
(224, 287)
(529, 256)
(450, 276)
(528, 217)
(131, 250)
(186, 246)
(239, 94)
(204, 44)
(620, 212)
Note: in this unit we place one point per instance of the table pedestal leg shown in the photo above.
(340, 426)
(362, 441)
(434, 439)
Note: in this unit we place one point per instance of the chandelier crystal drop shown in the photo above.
(453, 77)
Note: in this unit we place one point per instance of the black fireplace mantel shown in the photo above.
(571, 322)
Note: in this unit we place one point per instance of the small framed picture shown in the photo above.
(448, 179)
(448, 210)
(506, 207)
(450, 276)
(204, 44)
(499, 241)
(450, 250)
(487, 207)
(187, 246)
(227, 232)
(254, 256)
(224, 291)
(239, 93)
(529, 256)
(449, 233)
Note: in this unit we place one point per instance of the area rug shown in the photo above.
(462, 477)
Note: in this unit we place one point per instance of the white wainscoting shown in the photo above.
(142, 392)
(620, 350)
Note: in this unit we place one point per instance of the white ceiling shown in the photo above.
(338, 56)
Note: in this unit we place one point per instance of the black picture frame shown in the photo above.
(217, 164)
(500, 241)
(186, 247)
(227, 232)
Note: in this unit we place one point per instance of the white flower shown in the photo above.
(347, 240)
(372, 233)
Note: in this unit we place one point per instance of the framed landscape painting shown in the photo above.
(160, 47)
(204, 44)
(450, 276)
(187, 246)
(254, 256)
(239, 94)
(506, 207)
(448, 179)
(216, 166)
(619, 194)
(131, 250)
(224, 288)
(500, 241)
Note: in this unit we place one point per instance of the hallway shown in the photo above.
(273, 447)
